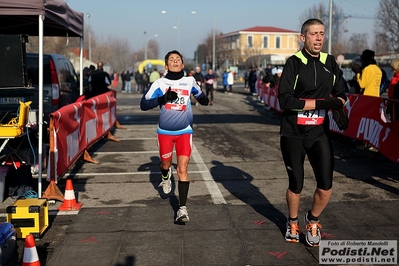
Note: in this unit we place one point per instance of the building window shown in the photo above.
(250, 41)
(278, 42)
(265, 42)
(291, 42)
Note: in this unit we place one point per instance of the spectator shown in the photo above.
(138, 77)
(199, 78)
(246, 76)
(371, 75)
(353, 83)
(224, 81)
(393, 91)
(128, 81)
(252, 80)
(210, 79)
(145, 80)
(230, 79)
(99, 81)
(154, 76)
(123, 81)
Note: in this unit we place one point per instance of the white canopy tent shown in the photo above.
(42, 18)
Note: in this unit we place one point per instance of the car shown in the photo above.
(60, 87)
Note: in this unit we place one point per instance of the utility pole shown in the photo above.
(330, 27)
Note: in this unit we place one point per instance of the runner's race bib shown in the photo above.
(311, 117)
(180, 104)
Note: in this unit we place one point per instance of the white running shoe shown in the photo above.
(292, 232)
(182, 215)
(313, 235)
(166, 183)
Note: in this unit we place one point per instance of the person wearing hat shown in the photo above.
(369, 79)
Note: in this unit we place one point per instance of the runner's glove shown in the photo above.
(331, 103)
(168, 96)
(341, 119)
(203, 100)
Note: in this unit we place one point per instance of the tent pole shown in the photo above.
(81, 67)
(40, 148)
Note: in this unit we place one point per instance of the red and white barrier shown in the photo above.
(77, 126)
(367, 122)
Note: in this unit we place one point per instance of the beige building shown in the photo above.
(259, 45)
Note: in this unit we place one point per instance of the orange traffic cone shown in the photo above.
(69, 203)
(30, 253)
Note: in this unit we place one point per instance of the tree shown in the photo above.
(388, 25)
(358, 43)
(381, 44)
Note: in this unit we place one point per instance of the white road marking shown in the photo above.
(210, 183)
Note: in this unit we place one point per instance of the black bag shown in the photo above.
(19, 180)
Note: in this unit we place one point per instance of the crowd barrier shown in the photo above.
(73, 129)
(368, 121)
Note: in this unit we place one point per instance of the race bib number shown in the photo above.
(180, 104)
(311, 117)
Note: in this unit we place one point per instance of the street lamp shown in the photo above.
(88, 16)
(146, 45)
(213, 36)
(178, 28)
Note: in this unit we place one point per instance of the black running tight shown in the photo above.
(320, 155)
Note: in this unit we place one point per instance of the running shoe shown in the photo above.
(166, 183)
(313, 236)
(292, 233)
(182, 215)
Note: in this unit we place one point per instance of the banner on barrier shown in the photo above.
(367, 121)
(78, 125)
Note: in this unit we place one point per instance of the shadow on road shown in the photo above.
(247, 192)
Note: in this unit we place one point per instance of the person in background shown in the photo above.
(210, 78)
(115, 81)
(123, 81)
(309, 78)
(356, 68)
(146, 79)
(246, 77)
(224, 81)
(393, 91)
(175, 128)
(99, 81)
(138, 77)
(128, 81)
(199, 78)
(252, 78)
(230, 80)
(369, 79)
(154, 76)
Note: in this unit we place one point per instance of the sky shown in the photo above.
(184, 24)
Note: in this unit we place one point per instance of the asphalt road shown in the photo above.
(237, 178)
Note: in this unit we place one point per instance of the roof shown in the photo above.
(262, 29)
(21, 17)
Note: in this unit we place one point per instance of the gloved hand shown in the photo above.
(168, 96)
(341, 119)
(332, 103)
(203, 100)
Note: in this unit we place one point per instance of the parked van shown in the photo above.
(60, 87)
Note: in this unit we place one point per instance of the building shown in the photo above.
(259, 45)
